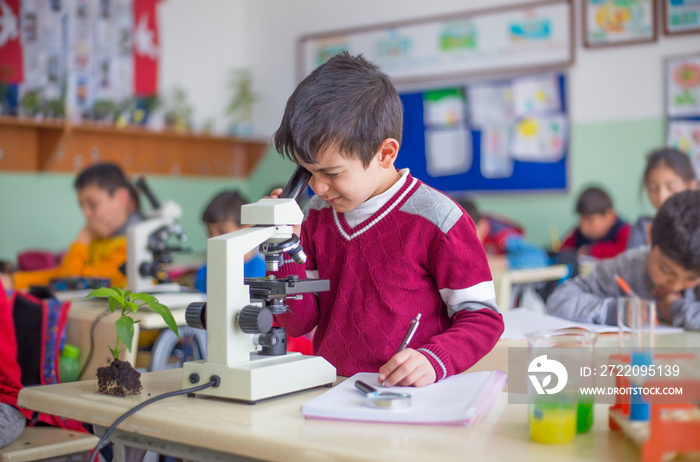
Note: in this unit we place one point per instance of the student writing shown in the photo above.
(668, 272)
(391, 246)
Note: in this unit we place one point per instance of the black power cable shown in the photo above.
(213, 382)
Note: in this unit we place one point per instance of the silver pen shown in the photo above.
(409, 335)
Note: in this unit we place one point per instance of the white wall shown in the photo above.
(201, 42)
(605, 84)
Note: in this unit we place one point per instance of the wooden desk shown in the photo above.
(504, 281)
(204, 428)
(84, 312)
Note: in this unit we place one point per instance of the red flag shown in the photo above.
(11, 64)
(146, 47)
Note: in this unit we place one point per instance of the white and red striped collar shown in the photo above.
(379, 208)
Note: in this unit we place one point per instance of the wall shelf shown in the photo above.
(55, 146)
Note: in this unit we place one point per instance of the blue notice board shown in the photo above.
(529, 174)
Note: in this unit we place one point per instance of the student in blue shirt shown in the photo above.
(222, 216)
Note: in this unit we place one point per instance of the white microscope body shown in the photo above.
(139, 251)
(245, 374)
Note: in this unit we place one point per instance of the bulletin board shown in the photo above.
(493, 41)
(682, 90)
(500, 135)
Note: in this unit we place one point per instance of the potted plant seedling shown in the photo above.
(120, 378)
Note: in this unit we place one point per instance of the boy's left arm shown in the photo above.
(467, 289)
(681, 311)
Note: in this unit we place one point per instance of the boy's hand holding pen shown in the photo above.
(407, 367)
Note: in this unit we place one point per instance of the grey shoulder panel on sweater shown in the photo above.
(434, 206)
(315, 203)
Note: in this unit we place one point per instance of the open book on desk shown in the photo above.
(519, 321)
(457, 400)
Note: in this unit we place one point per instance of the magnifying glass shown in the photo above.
(383, 399)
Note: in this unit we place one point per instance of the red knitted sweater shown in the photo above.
(418, 253)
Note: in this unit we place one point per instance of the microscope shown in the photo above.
(148, 246)
(236, 327)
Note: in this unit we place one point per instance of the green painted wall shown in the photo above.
(40, 210)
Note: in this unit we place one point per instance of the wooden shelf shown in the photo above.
(55, 146)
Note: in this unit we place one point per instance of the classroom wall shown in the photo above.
(615, 101)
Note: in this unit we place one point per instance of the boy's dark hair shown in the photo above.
(226, 206)
(593, 200)
(675, 230)
(107, 176)
(346, 103)
(672, 158)
(469, 207)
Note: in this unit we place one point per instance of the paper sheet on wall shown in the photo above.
(495, 157)
(539, 139)
(113, 58)
(536, 95)
(685, 136)
(444, 108)
(490, 105)
(683, 87)
(43, 25)
(448, 151)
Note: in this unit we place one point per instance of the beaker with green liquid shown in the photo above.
(557, 411)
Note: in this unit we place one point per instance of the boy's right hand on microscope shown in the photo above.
(275, 194)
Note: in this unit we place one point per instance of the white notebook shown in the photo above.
(519, 321)
(457, 400)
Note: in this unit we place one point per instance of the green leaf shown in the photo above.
(131, 306)
(125, 331)
(148, 298)
(165, 313)
(119, 291)
(103, 292)
(113, 304)
(127, 292)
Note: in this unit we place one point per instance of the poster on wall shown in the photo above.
(681, 16)
(44, 48)
(488, 41)
(683, 86)
(618, 22)
(685, 136)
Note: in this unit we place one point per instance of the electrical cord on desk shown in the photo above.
(213, 382)
(92, 340)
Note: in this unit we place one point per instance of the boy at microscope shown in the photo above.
(109, 204)
(391, 246)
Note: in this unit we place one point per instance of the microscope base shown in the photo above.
(262, 377)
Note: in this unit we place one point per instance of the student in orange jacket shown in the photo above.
(110, 204)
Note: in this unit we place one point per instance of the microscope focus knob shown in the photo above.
(195, 315)
(255, 319)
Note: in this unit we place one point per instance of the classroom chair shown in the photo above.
(49, 444)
